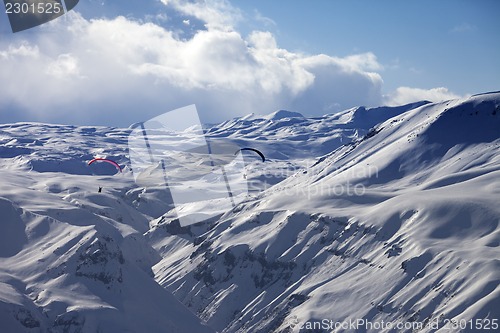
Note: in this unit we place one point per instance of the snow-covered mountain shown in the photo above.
(73, 259)
(386, 215)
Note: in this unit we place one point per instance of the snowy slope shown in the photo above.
(72, 259)
(399, 226)
(387, 214)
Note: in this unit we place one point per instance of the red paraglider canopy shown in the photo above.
(106, 160)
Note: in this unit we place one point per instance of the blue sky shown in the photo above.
(114, 62)
(451, 43)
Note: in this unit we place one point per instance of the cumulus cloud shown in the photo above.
(119, 71)
(337, 84)
(404, 95)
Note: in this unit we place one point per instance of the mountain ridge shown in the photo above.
(390, 216)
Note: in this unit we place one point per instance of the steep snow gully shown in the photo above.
(368, 220)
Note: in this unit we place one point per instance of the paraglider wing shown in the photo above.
(254, 150)
(107, 161)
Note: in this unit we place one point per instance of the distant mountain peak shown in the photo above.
(281, 114)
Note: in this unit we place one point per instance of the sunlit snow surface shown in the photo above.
(387, 214)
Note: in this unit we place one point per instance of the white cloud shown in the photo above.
(217, 14)
(24, 49)
(338, 84)
(362, 62)
(123, 71)
(66, 66)
(120, 71)
(405, 95)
